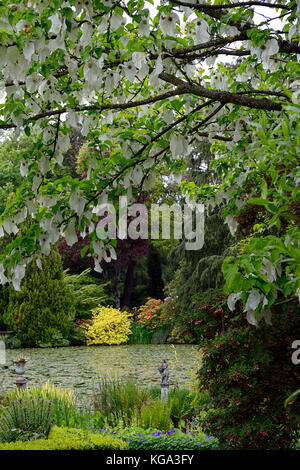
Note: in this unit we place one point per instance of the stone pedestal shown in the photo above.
(164, 393)
(20, 369)
(21, 382)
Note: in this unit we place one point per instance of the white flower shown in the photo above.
(10, 226)
(144, 27)
(33, 81)
(72, 118)
(49, 228)
(20, 26)
(12, 55)
(45, 244)
(92, 72)
(202, 30)
(137, 175)
(56, 23)
(24, 168)
(168, 116)
(116, 21)
(264, 52)
(139, 59)
(3, 278)
(187, 11)
(70, 233)
(39, 263)
(98, 248)
(112, 254)
(168, 23)
(143, 72)
(269, 270)
(124, 41)
(252, 318)
(190, 69)
(158, 68)
(97, 266)
(149, 182)
(37, 179)
(211, 60)
(20, 216)
(237, 131)
(63, 143)
(254, 299)
(130, 71)
(2, 93)
(86, 37)
(57, 43)
(77, 202)
(47, 87)
(178, 146)
(18, 274)
(232, 299)
(44, 164)
(28, 50)
(232, 224)
(46, 200)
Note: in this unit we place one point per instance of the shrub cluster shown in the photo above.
(248, 373)
(69, 439)
(149, 314)
(109, 326)
(154, 439)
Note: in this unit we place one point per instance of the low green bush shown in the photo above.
(69, 439)
(172, 442)
(154, 439)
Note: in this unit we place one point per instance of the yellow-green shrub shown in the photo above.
(68, 439)
(109, 326)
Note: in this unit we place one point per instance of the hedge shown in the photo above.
(68, 439)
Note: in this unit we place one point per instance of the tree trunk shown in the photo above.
(128, 284)
(118, 287)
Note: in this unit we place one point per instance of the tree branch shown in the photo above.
(221, 96)
(204, 6)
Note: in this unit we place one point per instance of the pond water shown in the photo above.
(81, 367)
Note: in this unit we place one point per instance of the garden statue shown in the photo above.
(164, 371)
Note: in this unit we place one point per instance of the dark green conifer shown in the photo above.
(43, 311)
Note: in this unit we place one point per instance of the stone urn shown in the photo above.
(20, 363)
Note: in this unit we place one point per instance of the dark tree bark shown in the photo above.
(118, 286)
(129, 282)
(156, 284)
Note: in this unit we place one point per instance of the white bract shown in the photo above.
(168, 24)
(179, 146)
(77, 202)
(232, 300)
(232, 224)
(56, 23)
(202, 30)
(144, 27)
